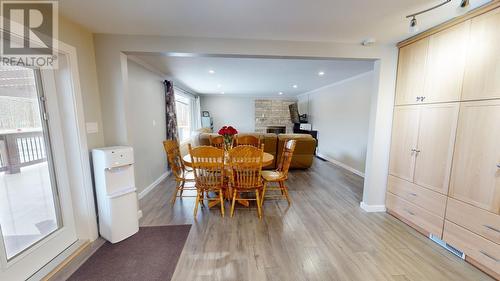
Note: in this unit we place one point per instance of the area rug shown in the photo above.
(151, 254)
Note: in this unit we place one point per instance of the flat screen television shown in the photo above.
(294, 113)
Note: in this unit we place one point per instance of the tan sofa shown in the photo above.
(273, 144)
(304, 149)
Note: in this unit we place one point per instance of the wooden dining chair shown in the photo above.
(280, 175)
(181, 173)
(248, 140)
(245, 166)
(217, 141)
(208, 167)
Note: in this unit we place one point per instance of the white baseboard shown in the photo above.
(342, 165)
(372, 208)
(153, 185)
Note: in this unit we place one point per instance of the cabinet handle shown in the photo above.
(491, 228)
(418, 98)
(489, 256)
(422, 98)
(413, 194)
(498, 165)
(410, 212)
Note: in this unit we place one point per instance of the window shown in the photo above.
(183, 107)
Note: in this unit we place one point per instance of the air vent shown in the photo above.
(447, 246)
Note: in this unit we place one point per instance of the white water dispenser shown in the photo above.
(116, 192)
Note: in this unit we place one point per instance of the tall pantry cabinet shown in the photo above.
(444, 171)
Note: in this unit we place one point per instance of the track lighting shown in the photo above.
(413, 21)
(413, 25)
(464, 3)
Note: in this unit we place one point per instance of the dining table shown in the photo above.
(267, 159)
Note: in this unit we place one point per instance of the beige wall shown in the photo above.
(146, 124)
(80, 38)
(238, 112)
(341, 113)
(111, 62)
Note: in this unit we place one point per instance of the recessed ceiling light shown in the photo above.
(222, 93)
(211, 71)
(295, 86)
(280, 93)
(321, 73)
(219, 85)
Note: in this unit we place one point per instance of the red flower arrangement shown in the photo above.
(228, 132)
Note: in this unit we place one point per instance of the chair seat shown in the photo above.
(188, 175)
(273, 176)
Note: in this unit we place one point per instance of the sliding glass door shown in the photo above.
(36, 218)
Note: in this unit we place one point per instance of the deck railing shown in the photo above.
(21, 148)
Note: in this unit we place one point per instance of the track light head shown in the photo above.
(413, 25)
(464, 3)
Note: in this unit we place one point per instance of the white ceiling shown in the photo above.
(254, 76)
(297, 20)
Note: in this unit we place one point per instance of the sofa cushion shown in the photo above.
(305, 148)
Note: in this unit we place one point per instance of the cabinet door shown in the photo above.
(482, 70)
(411, 69)
(475, 177)
(436, 137)
(404, 140)
(445, 64)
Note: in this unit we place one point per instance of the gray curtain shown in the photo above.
(171, 116)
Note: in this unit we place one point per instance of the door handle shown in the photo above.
(422, 98)
(498, 165)
(491, 228)
(489, 256)
(410, 212)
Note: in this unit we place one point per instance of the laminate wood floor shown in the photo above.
(323, 235)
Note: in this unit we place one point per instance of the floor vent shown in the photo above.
(447, 246)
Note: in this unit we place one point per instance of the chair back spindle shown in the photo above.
(217, 141)
(286, 157)
(248, 140)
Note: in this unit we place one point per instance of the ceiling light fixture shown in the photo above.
(280, 93)
(221, 93)
(464, 3)
(321, 73)
(413, 21)
(413, 25)
(219, 85)
(295, 86)
(211, 71)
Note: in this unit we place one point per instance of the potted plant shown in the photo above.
(228, 132)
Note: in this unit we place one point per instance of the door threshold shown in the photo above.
(60, 261)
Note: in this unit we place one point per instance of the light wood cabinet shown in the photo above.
(422, 197)
(475, 175)
(422, 219)
(479, 221)
(422, 144)
(411, 70)
(436, 137)
(482, 71)
(445, 64)
(481, 250)
(445, 151)
(404, 142)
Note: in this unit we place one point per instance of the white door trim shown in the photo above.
(76, 147)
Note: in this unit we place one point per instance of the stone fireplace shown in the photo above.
(273, 113)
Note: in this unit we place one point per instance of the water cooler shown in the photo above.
(116, 192)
